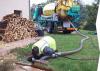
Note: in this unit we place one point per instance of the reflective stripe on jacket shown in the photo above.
(45, 41)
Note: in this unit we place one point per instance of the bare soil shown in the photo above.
(7, 59)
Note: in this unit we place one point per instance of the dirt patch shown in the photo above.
(7, 63)
(6, 48)
(25, 68)
(8, 60)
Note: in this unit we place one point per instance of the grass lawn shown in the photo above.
(66, 42)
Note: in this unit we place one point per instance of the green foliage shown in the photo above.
(88, 17)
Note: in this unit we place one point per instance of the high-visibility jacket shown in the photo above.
(45, 41)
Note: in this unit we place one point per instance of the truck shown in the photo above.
(58, 16)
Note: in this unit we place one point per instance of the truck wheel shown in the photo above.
(66, 31)
(40, 32)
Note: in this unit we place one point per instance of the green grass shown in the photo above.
(69, 42)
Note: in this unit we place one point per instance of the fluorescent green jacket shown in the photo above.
(45, 41)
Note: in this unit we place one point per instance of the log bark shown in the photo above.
(17, 28)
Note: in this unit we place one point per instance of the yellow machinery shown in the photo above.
(60, 6)
(63, 5)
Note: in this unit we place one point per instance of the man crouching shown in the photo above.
(43, 49)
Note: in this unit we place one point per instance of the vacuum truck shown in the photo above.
(58, 15)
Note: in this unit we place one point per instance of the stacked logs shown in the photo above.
(18, 28)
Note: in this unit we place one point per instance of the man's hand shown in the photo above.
(33, 59)
(54, 55)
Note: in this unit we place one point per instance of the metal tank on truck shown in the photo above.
(58, 15)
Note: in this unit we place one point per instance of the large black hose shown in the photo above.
(75, 50)
(86, 59)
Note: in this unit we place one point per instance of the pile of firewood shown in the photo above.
(18, 28)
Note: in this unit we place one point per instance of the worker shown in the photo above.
(43, 49)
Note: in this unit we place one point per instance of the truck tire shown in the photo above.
(66, 31)
(40, 32)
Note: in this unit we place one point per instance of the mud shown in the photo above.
(7, 59)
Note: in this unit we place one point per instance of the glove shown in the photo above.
(54, 55)
(33, 60)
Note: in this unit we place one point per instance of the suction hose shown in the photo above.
(76, 50)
